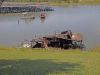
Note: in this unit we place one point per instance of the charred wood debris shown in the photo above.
(64, 40)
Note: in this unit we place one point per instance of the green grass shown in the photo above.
(14, 61)
(65, 3)
(71, 3)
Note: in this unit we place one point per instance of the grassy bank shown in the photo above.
(66, 3)
(15, 61)
(71, 3)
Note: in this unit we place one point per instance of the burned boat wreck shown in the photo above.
(63, 40)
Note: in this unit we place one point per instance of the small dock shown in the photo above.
(24, 7)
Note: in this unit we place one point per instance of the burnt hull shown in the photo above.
(64, 40)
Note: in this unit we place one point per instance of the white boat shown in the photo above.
(27, 16)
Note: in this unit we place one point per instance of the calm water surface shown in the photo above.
(83, 19)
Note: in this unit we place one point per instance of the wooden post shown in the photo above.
(45, 44)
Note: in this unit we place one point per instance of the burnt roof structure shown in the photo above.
(77, 37)
(65, 39)
(37, 40)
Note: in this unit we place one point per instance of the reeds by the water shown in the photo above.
(95, 49)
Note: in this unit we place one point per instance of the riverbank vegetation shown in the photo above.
(95, 49)
(24, 61)
(59, 2)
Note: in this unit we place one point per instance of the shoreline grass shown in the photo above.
(71, 3)
(95, 49)
(65, 3)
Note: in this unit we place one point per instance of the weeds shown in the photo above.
(95, 49)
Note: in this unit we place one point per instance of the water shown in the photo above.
(83, 19)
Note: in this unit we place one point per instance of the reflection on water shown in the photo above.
(27, 21)
(42, 20)
(97, 29)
